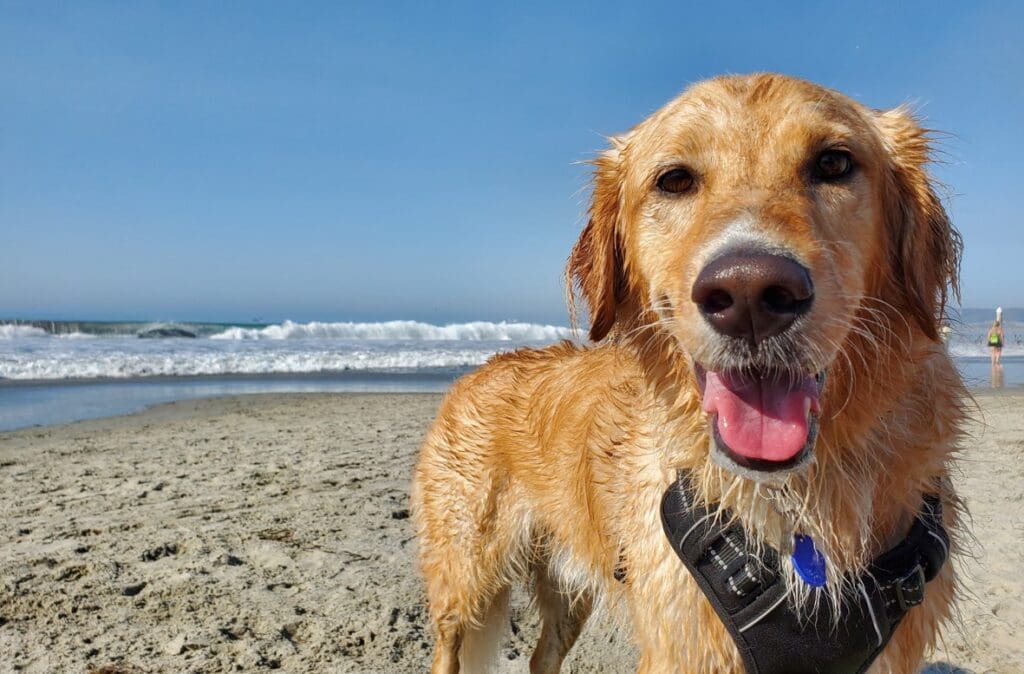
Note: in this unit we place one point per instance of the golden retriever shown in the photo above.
(758, 231)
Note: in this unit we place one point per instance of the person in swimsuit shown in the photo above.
(996, 336)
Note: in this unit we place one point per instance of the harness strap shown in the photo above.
(749, 594)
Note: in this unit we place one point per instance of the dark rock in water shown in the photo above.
(157, 333)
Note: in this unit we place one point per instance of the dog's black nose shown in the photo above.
(753, 296)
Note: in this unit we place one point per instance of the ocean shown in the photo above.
(59, 371)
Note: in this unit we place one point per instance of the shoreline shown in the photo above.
(190, 388)
(189, 408)
(30, 405)
(332, 375)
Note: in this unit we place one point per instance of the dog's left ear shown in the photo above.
(924, 246)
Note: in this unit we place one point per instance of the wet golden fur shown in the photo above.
(550, 464)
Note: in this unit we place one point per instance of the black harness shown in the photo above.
(749, 594)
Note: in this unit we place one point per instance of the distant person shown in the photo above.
(996, 337)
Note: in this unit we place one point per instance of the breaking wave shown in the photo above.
(477, 331)
(8, 331)
(77, 350)
(189, 362)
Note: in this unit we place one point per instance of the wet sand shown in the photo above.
(272, 532)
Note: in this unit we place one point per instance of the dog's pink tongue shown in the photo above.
(762, 419)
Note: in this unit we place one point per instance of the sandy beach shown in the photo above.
(272, 532)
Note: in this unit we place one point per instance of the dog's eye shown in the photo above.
(675, 181)
(833, 165)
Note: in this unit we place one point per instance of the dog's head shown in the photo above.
(762, 222)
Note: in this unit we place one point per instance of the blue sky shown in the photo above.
(370, 161)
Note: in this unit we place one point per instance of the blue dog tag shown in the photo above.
(808, 562)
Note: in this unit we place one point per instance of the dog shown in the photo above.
(758, 233)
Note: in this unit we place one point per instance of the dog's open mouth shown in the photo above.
(762, 421)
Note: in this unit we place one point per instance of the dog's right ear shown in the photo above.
(595, 264)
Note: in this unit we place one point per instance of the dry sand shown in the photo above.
(271, 532)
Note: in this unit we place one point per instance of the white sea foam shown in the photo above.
(407, 346)
(123, 363)
(29, 352)
(969, 350)
(8, 331)
(404, 330)
(969, 340)
(75, 335)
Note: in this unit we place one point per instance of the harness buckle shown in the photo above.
(910, 588)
